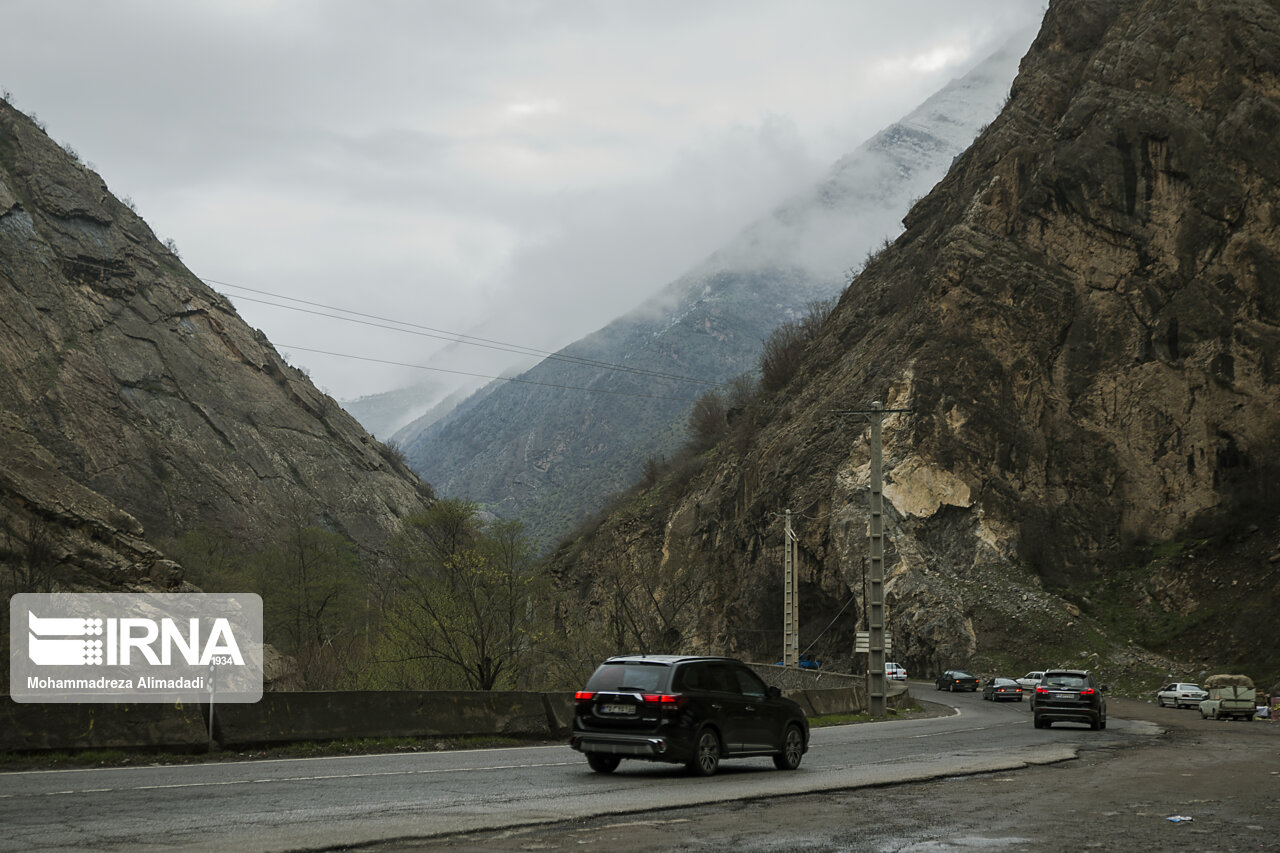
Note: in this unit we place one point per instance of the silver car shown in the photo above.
(1180, 694)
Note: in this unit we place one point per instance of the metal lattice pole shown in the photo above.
(790, 603)
(875, 578)
(877, 684)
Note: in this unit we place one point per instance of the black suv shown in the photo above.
(1071, 695)
(684, 710)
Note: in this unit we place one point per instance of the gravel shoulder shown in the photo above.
(1224, 775)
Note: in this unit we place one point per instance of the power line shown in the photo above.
(439, 334)
(829, 624)
(287, 347)
(452, 337)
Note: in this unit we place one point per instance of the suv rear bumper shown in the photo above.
(1067, 715)
(651, 747)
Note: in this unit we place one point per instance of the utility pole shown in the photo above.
(213, 689)
(877, 687)
(790, 599)
(875, 606)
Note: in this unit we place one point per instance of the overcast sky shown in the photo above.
(525, 171)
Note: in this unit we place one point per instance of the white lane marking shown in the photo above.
(417, 754)
(285, 779)
(966, 731)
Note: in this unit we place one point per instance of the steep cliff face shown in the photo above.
(544, 451)
(1083, 319)
(136, 405)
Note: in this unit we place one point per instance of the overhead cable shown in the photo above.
(452, 337)
(439, 334)
(289, 348)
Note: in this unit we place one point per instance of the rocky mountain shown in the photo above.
(136, 405)
(1082, 322)
(551, 448)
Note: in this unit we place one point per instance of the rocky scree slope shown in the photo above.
(551, 455)
(1083, 319)
(136, 405)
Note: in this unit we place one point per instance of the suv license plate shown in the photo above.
(617, 709)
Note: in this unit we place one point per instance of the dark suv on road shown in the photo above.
(1070, 695)
(684, 710)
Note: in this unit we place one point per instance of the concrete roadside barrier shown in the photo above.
(35, 726)
(559, 707)
(841, 700)
(328, 715)
(285, 717)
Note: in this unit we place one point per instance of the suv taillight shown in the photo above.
(1088, 691)
(583, 696)
(664, 701)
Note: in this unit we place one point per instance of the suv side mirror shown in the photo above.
(773, 692)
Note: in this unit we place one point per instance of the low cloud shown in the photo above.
(530, 170)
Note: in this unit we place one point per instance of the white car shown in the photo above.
(895, 671)
(1031, 679)
(1180, 694)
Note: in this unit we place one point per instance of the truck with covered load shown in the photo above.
(1230, 697)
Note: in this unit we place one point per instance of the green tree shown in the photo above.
(464, 603)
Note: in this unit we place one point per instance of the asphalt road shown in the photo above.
(1222, 779)
(403, 799)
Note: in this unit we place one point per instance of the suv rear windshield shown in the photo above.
(642, 677)
(1062, 679)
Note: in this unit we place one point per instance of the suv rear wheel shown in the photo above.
(602, 763)
(706, 753)
(792, 750)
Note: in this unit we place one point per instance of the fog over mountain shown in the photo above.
(824, 230)
(1075, 343)
(862, 201)
(551, 445)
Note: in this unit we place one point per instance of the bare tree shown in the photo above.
(310, 582)
(29, 552)
(780, 358)
(707, 422)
